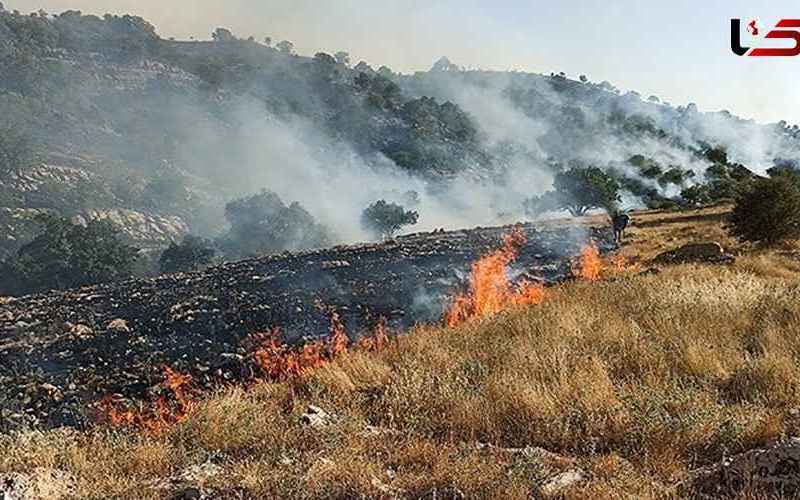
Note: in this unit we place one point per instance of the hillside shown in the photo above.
(101, 117)
(617, 388)
(70, 349)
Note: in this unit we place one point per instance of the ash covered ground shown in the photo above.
(62, 352)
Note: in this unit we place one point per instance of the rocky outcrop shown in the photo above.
(62, 189)
(695, 253)
(774, 470)
(145, 230)
(16, 227)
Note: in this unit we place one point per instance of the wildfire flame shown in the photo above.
(378, 340)
(490, 291)
(164, 412)
(279, 362)
(338, 341)
(590, 265)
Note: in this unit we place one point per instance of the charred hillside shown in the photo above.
(63, 351)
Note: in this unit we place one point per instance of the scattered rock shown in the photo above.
(333, 264)
(81, 331)
(774, 470)
(317, 417)
(695, 253)
(190, 493)
(199, 474)
(118, 325)
(444, 493)
(195, 322)
(560, 483)
(41, 483)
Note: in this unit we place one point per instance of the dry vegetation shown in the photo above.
(637, 379)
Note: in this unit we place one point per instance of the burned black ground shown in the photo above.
(62, 352)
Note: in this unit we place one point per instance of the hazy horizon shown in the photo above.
(678, 52)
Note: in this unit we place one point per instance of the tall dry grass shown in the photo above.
(638, 380)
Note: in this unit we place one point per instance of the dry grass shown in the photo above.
(638, 379)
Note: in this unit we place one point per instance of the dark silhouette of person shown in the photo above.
(620, 221)
(752, 28)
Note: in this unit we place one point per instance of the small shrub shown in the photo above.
(769, 211)
(191, 254)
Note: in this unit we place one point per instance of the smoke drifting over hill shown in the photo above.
(181, 128)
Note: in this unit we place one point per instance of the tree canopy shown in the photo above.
(578, 190)
(385, 219)
(263, 224)
(67, 255)
(768, 210)
(191, 254)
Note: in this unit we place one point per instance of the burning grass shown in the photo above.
(490, 290)
(637, 380)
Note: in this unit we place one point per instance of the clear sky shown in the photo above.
(677, 50)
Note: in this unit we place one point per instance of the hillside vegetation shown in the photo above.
(637, 379)
(100, 117)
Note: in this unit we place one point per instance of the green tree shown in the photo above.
(263, 224)
(581, 189)
(385, 219)
(191, 254)
(285, 47)
(699, 194)
(67, 255)
(769, 210)
(342, 58)
(223, 35)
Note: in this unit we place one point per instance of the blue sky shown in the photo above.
(677, 50)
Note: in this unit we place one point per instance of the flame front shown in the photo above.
(167, 410)
(490, 290)
(590, 265)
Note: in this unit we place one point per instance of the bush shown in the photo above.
(769, 211)
(262, 223)
(67, 255)
(699, 194)
(191, 254)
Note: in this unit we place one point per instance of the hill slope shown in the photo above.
(103, 117)
(634, 382)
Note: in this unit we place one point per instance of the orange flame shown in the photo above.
(278, 361)
(619, 263)
(379, 339)
(590, 265)
(490, 290)
(337, 344)
(161, 414)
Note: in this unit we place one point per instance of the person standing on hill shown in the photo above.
(620, 221)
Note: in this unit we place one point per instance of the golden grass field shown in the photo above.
(637, 379)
